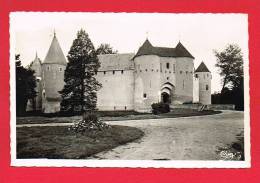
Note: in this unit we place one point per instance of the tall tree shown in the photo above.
(25, 86)
(230, 62)
(105, 49)
(80, 87)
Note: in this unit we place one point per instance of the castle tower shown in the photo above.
(146, 78)
(53, 69)
(36, 103)
(204, 76)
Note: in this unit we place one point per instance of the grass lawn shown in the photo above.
(60, 143)
(116, 116)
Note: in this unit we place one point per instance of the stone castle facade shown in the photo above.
(129, 81)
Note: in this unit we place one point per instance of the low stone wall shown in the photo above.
(211, 106)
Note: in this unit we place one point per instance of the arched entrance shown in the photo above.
(165, 98)
(167, 91)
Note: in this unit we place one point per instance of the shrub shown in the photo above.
(89, 123)
(158, 108)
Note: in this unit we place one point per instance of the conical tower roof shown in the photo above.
(36, 65)
(55, 54)
(182, 51)
(202, 68)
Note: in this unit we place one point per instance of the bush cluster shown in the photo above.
(89, 123)
(158, 108)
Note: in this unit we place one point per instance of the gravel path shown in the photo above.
(190, 138)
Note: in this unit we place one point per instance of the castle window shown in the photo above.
(140, 70)
(146, 70)
(113, 72)
(43, 93)
(60, 69)
(167, 78)
(114, 107)
(125, 108)
(122, 72)
(48, 68)
(104, 72)
(207, 87)
(186, 72)
(144, 95)
(157, 70)
(167, 65)
(180, 72)
(152, 70)
(196, 76)
(207, 75)
(95, 72)
(173, 67)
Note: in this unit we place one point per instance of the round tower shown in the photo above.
(36, 103)
(204, 76)
(53, 69)
(147, 78)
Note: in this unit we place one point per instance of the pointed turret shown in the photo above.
(182, 51)
(55, 54)
(202, 68)
(53, 69)
(204, 76)
(36, 66)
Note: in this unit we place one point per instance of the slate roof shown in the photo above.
(55, 54)
(36, 65)
(148, 49)
(116, 61)
(202, 68)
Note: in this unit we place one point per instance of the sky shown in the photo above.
(32, 32)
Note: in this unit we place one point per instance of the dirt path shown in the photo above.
(191, 138)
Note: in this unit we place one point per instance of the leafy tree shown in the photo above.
(79, 92)
(25, 86)
(105, 49)
(230, 62)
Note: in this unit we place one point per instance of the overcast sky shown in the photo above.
(125, 32)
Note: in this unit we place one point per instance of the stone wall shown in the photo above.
(184, 80)
(211, 106)
(52, 83)
(117, 90)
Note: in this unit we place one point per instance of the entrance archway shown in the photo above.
(165, 98)
(167, 91)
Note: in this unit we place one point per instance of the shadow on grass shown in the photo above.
(60, 143)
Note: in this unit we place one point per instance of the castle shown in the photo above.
(129, 81)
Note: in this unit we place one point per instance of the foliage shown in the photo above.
(79, 92)
(227, 96)
(25, 86)
(105, 49)
(230, 63)
(158, 108)
(89, 123)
